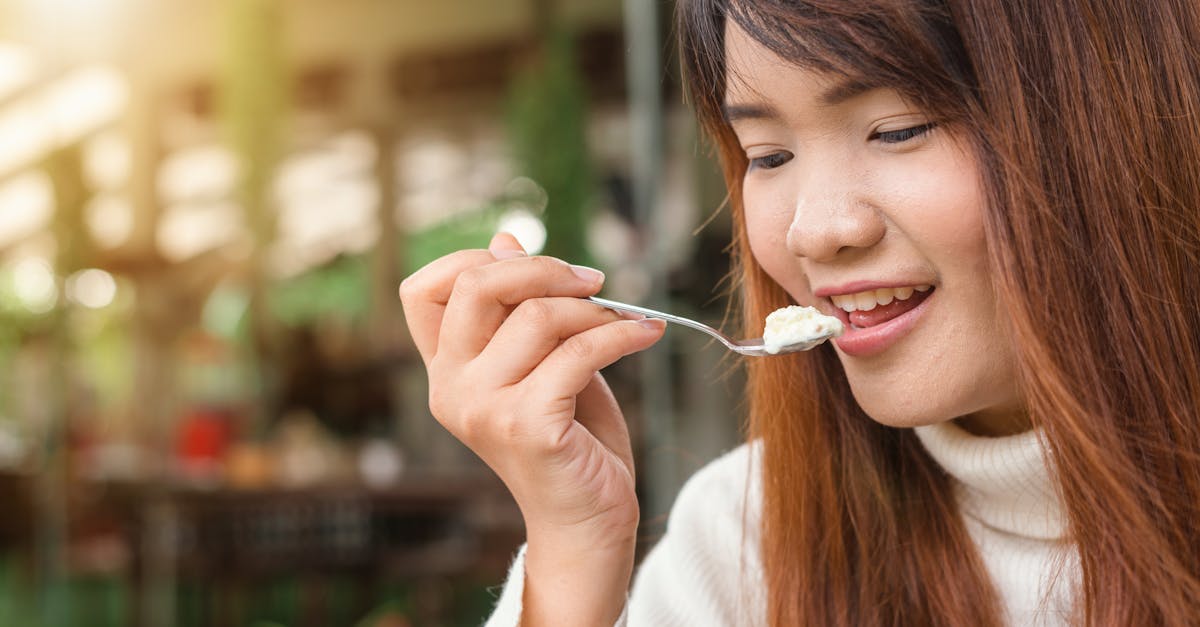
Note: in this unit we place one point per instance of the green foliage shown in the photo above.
(16, 607)
(102, 338)
(393, 609)
(547, 117)
(91, 600)
(225, 310)
(340, 288)
(473, 229)
(15, 318)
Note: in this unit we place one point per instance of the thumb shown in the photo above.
(505, 245)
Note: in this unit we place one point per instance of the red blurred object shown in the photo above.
(203, 439)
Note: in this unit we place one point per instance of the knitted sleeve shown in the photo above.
(508, 608)
(706, 571)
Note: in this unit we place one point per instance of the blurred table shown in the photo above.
(422, 530)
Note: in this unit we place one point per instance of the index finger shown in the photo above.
(483, 298)
(424, 295)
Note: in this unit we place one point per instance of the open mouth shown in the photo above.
(871, 308)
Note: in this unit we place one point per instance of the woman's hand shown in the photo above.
(513, 355)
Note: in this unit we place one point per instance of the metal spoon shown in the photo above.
(752, 347)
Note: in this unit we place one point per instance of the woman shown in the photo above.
(1001, 200)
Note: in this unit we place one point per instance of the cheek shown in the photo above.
(939, 204)
(959, 360)
(766, 236)
(767, 223)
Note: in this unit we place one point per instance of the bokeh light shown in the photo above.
(526, 227)
(92, 288)
(34, 285)
(109, 220)
(75, 106)
(17, 68)
(26, 204)
(526, 191)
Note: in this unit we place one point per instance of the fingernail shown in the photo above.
(507, 253)
(591, 275)
(653, 324)
(629, 315)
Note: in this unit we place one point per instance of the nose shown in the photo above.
(832, 216)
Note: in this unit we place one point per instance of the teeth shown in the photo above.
(868, 300)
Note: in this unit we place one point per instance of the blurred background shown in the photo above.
(210, 410)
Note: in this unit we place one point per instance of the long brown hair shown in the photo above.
(1085, 116)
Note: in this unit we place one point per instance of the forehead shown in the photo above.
(748, 64)
(757, 78)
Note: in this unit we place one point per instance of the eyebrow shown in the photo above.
(844, 90)
(735, 112)
(836, 94)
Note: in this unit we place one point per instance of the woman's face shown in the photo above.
(862, 206)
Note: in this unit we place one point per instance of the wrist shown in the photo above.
(575, 584)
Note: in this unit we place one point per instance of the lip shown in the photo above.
(855, 287)
(877, 339)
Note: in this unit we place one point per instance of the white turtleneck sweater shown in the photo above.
(706, 570)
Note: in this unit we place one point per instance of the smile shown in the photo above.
(870, 299)
(875, 319)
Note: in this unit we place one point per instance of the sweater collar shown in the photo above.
(1003, 482)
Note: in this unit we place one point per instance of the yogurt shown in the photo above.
(795, 324)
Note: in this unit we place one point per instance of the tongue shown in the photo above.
(882, 313)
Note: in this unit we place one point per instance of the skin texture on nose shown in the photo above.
(854, 191)
(829, 220)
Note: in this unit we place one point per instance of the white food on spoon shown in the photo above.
(795, 324)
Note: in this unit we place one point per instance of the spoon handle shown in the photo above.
(651, 313)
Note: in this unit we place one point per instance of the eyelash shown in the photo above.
(771, 161)
(776, 159)
(902, 135)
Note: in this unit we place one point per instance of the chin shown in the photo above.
(893, 393)
(907, 409)
(904, 409)
(890, 417)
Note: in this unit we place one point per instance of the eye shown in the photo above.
(902, 135)
(771, 161)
